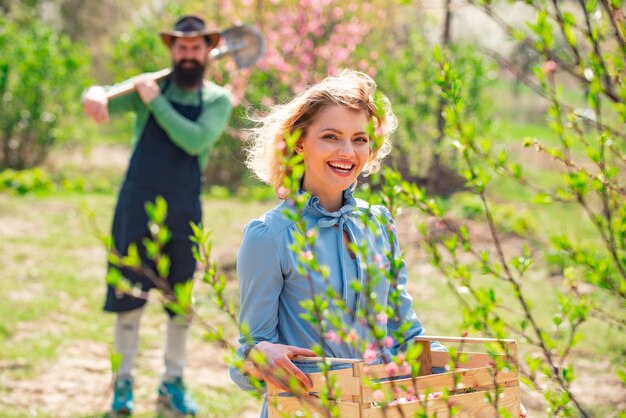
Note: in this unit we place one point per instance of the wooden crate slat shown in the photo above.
(349, 385)
(461, 340)
(289, 406)
(372, 371)
(326, 359)
(472, 405)
(473, 378)
(425, 359)
(473, 360)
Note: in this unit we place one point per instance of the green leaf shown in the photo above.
(516, 170)
(116, 361)
(621, 374)
(152, 248)
(184, 295)
(132, 259)
(568, 373)
(533, 363)
(164, 235)
(217, 336)
(163, 266)
(528, 382)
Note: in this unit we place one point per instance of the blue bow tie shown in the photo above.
(333, 218)
(327, 219)
(340, 218)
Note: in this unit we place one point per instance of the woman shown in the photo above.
(333, 119)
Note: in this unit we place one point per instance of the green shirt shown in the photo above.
(194, 137)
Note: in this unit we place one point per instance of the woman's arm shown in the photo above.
(260, 284)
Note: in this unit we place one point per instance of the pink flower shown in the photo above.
(434, 395)
(282, 192)
(369, 355)
(332, 337)
(388, 342)
(406, 368)
(403, 400)
(380, 130)
(381, 317)
(352, 336)
(378, 395)
(308, 255)
(392, 369)
(548, 67)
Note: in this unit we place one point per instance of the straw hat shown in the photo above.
(190, 26)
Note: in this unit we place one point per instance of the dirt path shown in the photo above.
(78, 383)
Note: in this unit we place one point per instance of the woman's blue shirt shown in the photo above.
(272, 286)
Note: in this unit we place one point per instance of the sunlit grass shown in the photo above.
(54, 265)
(53, 278)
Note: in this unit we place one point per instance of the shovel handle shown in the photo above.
(130, 87)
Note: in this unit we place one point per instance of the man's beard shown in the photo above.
(188, 76)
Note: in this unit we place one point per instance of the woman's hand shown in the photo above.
(277, 367)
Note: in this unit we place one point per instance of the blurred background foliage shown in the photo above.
(108, 41)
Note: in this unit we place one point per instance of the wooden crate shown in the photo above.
(476, 378)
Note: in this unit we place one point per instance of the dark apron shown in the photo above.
(158, 167)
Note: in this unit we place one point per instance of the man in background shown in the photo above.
(178, 121)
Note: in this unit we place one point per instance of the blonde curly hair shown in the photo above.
(350, 89)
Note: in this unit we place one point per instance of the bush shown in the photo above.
(26, 181)
(38, 180)
(40, 73)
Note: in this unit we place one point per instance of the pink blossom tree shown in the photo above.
(305, 41)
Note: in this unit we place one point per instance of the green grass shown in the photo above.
(519, 103)
(510, 131)
(53, 268)
(53, 278)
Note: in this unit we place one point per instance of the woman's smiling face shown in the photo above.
(335, 149)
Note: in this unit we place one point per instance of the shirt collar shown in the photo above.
(327, 219)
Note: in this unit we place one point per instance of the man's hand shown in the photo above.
(95, 104)
(148, 89)
(277, 366)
